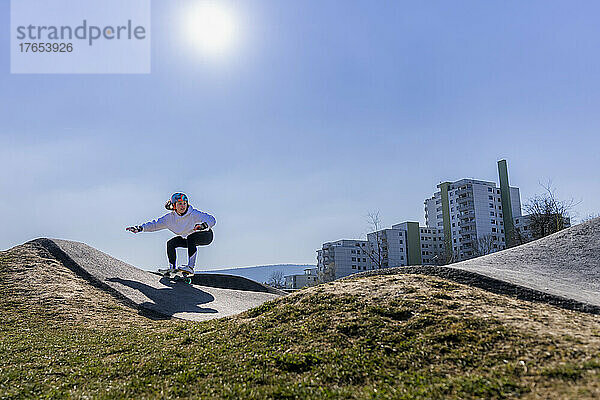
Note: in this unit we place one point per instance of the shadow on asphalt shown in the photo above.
(178, 297)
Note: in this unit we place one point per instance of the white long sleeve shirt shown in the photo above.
(181, 225)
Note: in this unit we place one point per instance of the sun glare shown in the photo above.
(210, 27)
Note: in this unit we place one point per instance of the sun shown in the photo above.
(210, 27)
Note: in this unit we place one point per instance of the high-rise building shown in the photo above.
(476, 217)
(464, 219)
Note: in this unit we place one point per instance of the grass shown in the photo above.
(325, 342)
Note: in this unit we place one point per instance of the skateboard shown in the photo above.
(176, 275)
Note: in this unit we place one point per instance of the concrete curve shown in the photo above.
(149, 292)
(565, 264)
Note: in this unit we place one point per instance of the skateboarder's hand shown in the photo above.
(134, 229)
(201, 227)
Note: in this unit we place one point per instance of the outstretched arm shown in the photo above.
(157, 224)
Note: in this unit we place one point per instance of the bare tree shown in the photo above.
(519, 237)
(376, 249)
(548, 214)
(327, 274)
(277, 279)
(485, 245)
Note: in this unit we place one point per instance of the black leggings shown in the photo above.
(202, 238)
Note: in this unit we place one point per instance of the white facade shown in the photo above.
(342, 258)
(515, 199)
(475, 214)
(432, 245)
(392, 247)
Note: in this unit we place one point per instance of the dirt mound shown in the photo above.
(151, 294)
(33, 277)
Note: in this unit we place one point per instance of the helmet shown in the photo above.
(178, 197)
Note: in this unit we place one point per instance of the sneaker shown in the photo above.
(187, 269)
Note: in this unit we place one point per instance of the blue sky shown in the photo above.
(323, 111)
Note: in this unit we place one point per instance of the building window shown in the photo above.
(490, 189)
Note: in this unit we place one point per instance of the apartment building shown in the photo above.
(387, 248)
(342, 258)
(407, 244)
(430, 244)
(404, 244)
(464, 219)
(474, 216)
(298, 281)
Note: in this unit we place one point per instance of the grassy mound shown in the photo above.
(378, 337)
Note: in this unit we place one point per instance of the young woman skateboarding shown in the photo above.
(192, 227)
